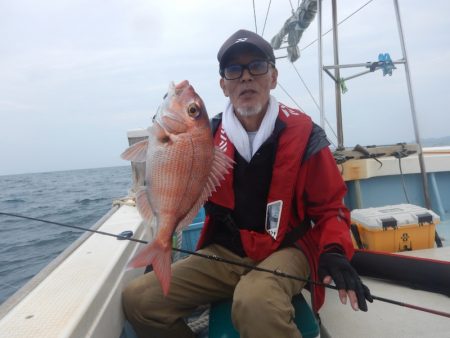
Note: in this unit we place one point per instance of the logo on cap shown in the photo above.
(241, 40)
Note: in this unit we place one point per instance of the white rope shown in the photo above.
(128, 200)
(198, 324)
(179, 237)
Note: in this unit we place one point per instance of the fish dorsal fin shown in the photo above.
(137, 152)
(220, 166)
(143, 205)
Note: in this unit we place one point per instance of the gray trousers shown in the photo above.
(261, 301)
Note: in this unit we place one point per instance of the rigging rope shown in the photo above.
(292, 7)
(399, 155)
(285, 91)
(276, 272)
(293, 11)
(403, 179)
(254, 16)
(294, 27)
(315, 102)
(298, 73)
(342, 21)
(265, 20)
(302, 49)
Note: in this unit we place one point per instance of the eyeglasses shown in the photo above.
(233, 72)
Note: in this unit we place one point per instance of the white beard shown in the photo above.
(249, 111)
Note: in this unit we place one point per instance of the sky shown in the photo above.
(76, 75)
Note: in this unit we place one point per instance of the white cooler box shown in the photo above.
(394, 228)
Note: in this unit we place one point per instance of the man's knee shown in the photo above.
(138, 298)
(149, 313)
(251, 301)
(263, 310)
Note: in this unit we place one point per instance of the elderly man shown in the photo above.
(280, 209)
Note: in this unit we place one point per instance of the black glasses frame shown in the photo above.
(247, 66)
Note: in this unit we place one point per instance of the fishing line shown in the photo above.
(125, 236)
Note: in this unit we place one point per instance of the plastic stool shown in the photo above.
(220, 325)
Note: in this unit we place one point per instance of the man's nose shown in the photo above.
(246, 76)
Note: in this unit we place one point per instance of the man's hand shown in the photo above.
(336, 266)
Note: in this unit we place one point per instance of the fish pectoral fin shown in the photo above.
(220, 167)
(160, 257)
(137, 152)
(143, 205)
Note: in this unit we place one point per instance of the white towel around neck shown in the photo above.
(238, 135)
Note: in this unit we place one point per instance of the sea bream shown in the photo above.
(183, 168)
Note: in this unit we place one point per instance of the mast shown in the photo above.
(337, 76)
(320, 51)
(413, 109)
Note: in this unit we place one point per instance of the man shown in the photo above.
(282, 161)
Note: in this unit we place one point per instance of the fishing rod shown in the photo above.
(126, 235)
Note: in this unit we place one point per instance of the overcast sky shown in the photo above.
(75, 75)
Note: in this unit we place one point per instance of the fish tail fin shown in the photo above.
(160, 257)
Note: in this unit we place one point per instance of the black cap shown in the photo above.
(244, 38)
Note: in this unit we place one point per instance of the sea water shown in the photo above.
(77, 197)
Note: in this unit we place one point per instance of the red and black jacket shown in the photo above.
(307, 181)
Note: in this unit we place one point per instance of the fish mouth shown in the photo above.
(169, 121)
(181, 86)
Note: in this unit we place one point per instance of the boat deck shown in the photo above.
(386, 320)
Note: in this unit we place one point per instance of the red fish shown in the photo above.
(183, 167)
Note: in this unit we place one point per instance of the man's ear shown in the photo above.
(224, 89)
(274, 77)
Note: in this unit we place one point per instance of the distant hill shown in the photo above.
(436, 142)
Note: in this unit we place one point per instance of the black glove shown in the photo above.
(344, 275)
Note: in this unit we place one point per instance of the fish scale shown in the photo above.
(169, 179)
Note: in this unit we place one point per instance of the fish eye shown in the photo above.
(193, 110)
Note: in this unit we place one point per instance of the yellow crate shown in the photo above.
(395, 228)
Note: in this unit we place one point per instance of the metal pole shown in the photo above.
(337, 88)
(413, 109)
(319, 33)
(355, 65)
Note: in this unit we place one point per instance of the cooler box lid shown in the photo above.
(393, 216)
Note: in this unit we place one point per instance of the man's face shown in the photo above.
(249, 94)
